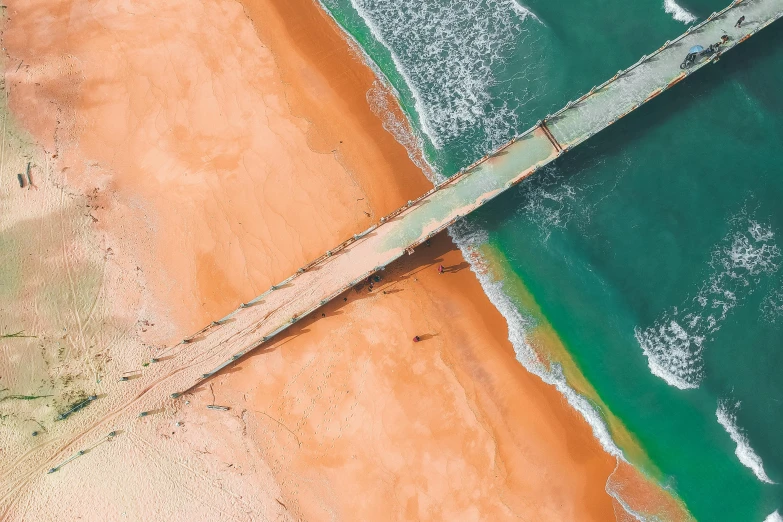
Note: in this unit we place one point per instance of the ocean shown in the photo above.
(642, 272)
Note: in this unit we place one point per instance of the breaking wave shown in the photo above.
(774, 517)
(727, 418)
(678, 12)
(523, 11)
(468, 238)
(448, 74)
(674, 344)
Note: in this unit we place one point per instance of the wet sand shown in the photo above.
(218, 156)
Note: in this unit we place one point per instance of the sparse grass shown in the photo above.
(24, 397)
(17, 335)
(75, 405)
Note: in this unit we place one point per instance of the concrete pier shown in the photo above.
(223, 342)
(403, 230)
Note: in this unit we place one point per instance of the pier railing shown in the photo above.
(467, 171)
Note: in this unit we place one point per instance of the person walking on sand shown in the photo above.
(440, 269)
(416, 339)
(739, 22)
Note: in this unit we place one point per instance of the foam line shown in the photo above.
(417, 98)
(404, 133)
(615, 495)
(727, 417)
(468, 238)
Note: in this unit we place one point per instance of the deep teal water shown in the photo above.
(662, 233)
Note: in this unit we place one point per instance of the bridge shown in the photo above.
(255, 323)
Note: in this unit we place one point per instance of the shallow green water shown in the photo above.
(652, 249)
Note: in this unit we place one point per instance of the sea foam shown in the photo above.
(774, 517)
(612, 492)
(550, 201)
(678, 12)
(772, 306)
(675, 343)
(468, 238)
(553, 201)
(727, 418)
(380, 97)
(449, 74)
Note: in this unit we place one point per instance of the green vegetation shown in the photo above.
(17, 335)
(23, 397)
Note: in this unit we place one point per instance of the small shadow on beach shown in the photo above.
(456, 268)
(318, 315)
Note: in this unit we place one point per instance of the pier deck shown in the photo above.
(251, 325)
(655, 73)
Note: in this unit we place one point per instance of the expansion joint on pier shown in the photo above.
(550, 137)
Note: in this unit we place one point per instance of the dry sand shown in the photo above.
(207, 151)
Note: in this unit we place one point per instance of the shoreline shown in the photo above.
(330, 19)
(640, 491)
(466, 376)
(202, 193)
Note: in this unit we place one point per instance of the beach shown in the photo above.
(450, 427)
(204, 152)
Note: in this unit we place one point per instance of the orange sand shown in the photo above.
(219, 159)
(224, 171)
(357, 420)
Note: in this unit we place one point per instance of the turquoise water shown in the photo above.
(654, 249)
